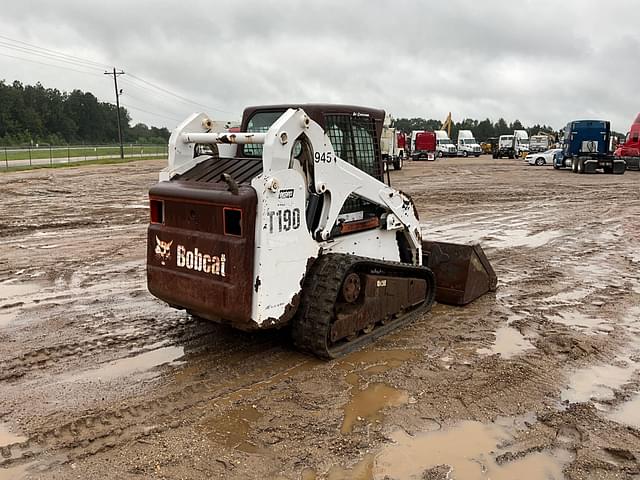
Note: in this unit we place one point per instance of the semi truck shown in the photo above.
(467, 145)
(423, 145)
(630, 149)
(444, 146)
(586, 148)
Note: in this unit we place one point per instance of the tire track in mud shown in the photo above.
(101, 430)
(41, 358)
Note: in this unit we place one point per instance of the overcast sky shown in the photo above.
(539, 61)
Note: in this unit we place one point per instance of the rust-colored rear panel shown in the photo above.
(193, 261)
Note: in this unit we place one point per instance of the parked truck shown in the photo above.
(520, 143)
(630, 149)
(540, 143)
(467, 145)
(423, 145)
(504, 147)
(392, 154)
(512, 146)
(444, 146)
(586, 147)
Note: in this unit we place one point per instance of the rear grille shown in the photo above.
(242, 170)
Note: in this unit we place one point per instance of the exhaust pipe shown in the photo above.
(463, 272)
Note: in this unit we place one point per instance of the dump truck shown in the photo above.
(586, 148)
(289, 223)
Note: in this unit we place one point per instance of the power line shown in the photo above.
(152, 96)
(175, 94)
(29, 49)
(133, 107)
(56, 52)
(48, 64)
(126, 94)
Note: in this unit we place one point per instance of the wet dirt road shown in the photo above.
(540, 380)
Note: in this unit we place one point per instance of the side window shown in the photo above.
(260, 122)
(354, 140)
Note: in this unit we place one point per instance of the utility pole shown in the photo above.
(115, 84)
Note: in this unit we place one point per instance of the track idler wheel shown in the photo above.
(351, 288)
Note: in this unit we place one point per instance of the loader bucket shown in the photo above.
(463, 272)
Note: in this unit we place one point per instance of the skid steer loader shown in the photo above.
(289, 222)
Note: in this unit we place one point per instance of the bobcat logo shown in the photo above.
(163, 250)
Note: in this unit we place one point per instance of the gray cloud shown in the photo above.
(537, 61)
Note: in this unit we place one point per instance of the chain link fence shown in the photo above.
(43, 155)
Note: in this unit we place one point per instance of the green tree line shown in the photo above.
(31, 114)
(482, 130)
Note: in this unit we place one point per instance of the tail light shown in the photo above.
(156, 208)
(232, 222)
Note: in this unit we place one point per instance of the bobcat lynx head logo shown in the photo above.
(163, 250)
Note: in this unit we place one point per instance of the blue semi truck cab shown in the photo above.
(586, 147)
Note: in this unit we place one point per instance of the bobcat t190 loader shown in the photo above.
(290, 222)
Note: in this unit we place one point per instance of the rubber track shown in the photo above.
(320, 293)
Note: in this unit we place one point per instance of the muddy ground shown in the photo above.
(540, 380)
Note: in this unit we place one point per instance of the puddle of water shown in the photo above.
(378, 358)
(522, 238)
(469, 450)
(509, 342)
(15, 290)
(232, 429)
(6, 318)
(598, 382)
(628, 413)
(366, 404)
(308, 474)
(570, 296)
(7, 437)
(582, 322)
(361, 471)
(127, 366)
(599, 273)
(367, 363)
(19, 472)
